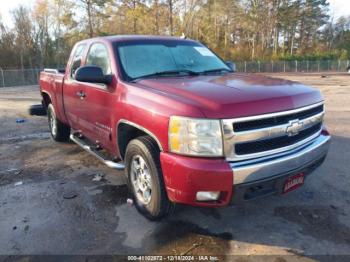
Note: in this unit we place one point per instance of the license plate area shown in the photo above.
(293, 182)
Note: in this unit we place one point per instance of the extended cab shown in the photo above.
(185, 127)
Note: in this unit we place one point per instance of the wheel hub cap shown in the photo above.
(53, 124)
(141, 179)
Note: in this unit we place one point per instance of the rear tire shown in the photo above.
(37, 110)
(59, 131)
(145, 178)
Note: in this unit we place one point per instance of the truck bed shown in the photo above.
(51, 83)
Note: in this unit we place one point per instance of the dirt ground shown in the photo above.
(50, 202)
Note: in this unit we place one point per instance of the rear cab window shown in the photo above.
(98, 56)
(77, 59)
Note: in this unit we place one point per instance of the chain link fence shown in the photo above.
(293, 66)
(19, 77)
(25, 77)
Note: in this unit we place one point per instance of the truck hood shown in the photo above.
(236, 95)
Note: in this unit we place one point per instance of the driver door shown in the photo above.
(72, 89)
(100, 99)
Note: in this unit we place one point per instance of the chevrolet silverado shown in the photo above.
(184, 126)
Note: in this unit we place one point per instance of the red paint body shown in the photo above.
(150, 103)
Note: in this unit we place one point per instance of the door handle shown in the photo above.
(81, 94)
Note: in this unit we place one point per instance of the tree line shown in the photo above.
(235, 29)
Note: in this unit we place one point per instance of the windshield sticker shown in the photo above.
(204, 51)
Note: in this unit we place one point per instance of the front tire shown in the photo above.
(145, 178)
(59, 132)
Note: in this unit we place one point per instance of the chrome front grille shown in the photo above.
(258, 136)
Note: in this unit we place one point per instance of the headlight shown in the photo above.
(196, 137)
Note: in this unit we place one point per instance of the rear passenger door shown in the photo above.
(100, 98)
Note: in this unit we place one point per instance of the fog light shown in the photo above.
(207, 195)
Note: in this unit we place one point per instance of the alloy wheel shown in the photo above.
(141, 179)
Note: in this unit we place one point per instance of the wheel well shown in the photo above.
(126, 133)
(46, 99)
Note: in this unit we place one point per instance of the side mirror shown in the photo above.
(92, 74)
(231, 65)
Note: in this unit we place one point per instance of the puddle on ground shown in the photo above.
(319, 222)
(111, 194)
(183, 237)
(44, 135)
(211, 212)
(93, 190)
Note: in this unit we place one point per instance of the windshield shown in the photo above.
(164, 58)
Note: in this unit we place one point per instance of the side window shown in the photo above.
(76, 62)
(98, 56)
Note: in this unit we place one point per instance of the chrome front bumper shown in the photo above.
(269, 167)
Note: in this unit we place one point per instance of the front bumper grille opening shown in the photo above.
(259, 191)
(275, 143)
(277, 120)
(270, 186)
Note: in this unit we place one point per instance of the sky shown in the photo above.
(337, 8)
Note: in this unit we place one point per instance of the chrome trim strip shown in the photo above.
(124, 121)
(51, 71)
(231, 137)
(248, 171)
(275, 151)
(274, 131)
(89, 84)
(300, 109)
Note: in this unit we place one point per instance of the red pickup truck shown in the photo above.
(182, 123)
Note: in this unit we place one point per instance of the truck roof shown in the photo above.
(123, 38)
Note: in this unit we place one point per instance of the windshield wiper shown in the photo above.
(167, 73)
(218, 70)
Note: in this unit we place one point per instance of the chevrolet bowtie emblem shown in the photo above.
(294, 127)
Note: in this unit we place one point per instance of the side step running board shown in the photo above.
(83, 144)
